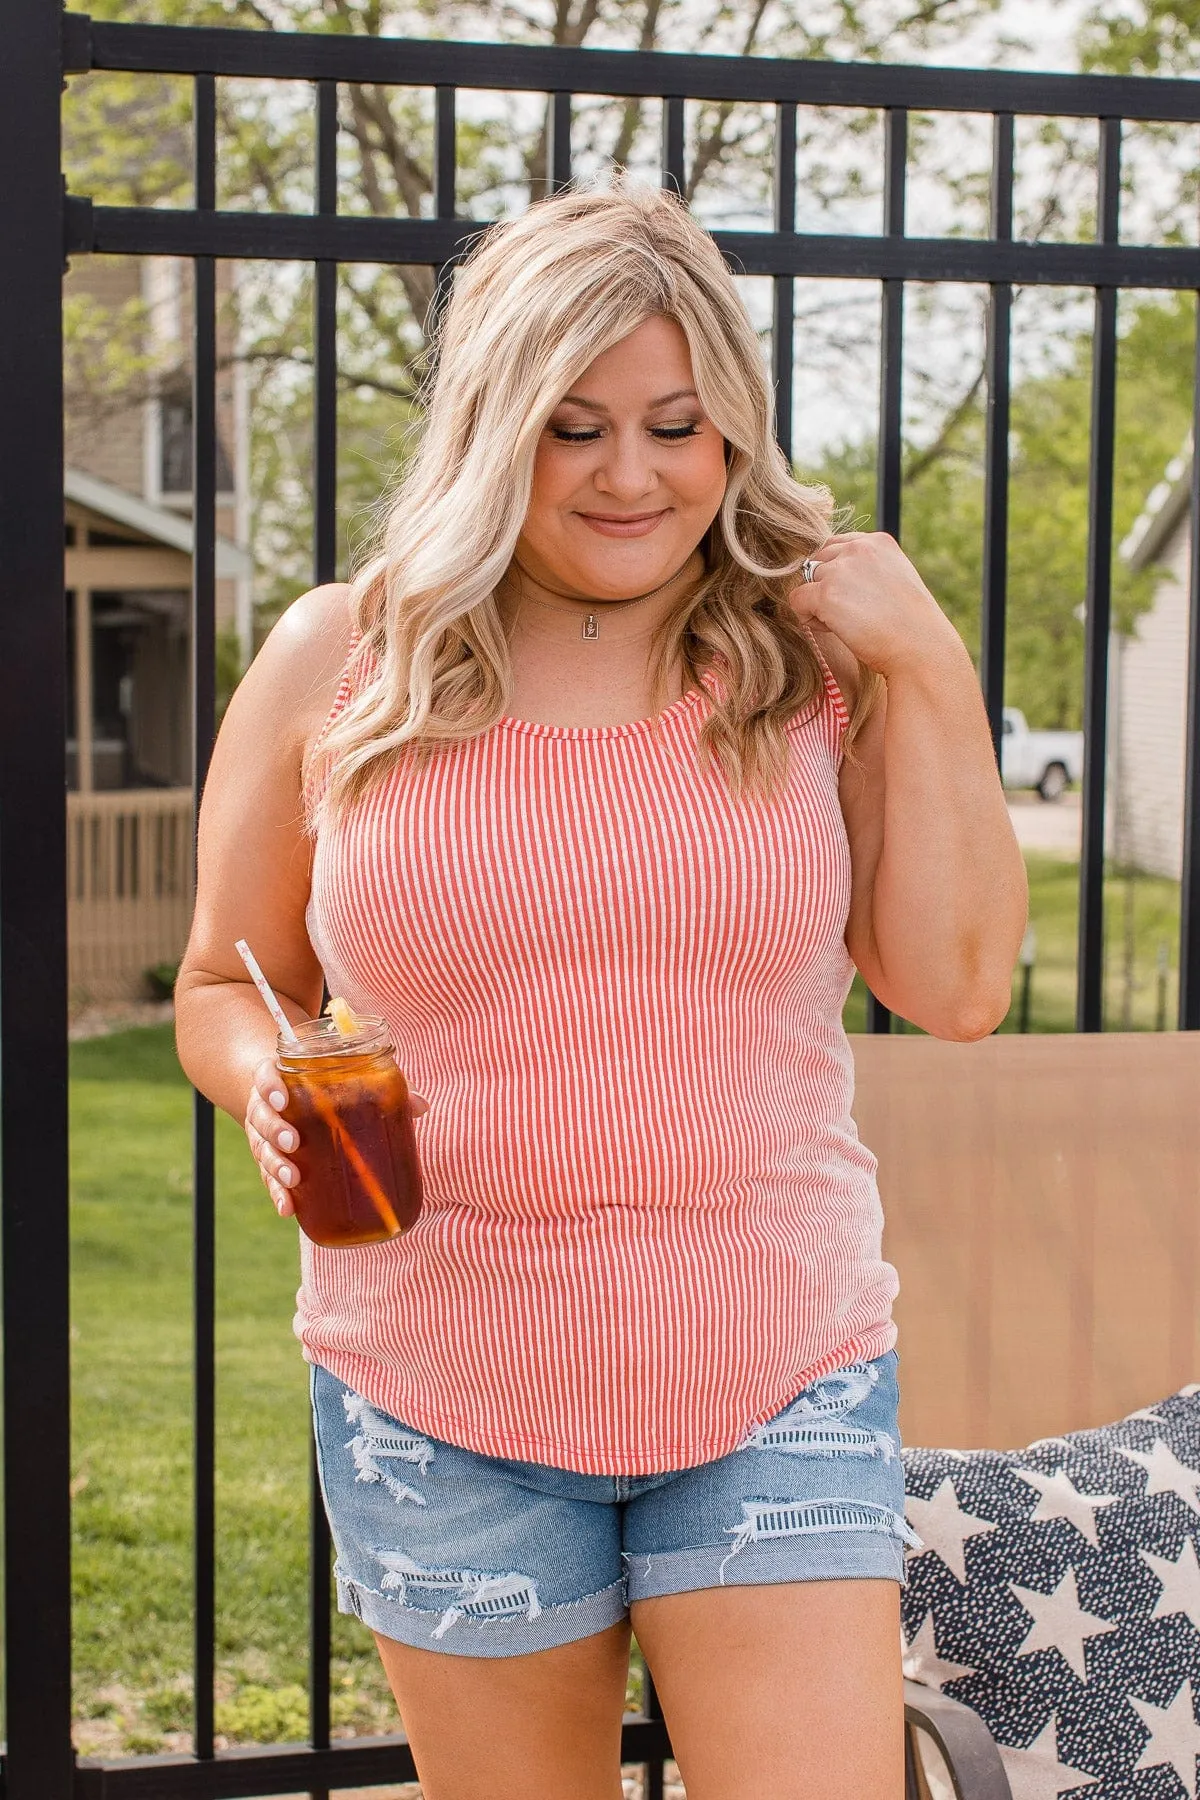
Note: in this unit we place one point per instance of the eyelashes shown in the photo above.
(666, 434)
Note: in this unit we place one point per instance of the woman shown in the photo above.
(595, 783)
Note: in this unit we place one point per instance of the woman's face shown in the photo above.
(629, 472)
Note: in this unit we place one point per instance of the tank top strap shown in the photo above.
(833, 693)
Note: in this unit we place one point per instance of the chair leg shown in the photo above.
(915, 1785)
(968, 1749)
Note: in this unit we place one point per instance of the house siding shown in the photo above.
(1149, 725)
(103, 438)
(112, 439)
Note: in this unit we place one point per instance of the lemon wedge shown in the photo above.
(343, 1017)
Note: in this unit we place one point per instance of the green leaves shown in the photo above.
(1048, 524)
(128, 142)
(1151, 37)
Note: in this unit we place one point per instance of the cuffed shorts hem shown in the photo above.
(464, 1636)
(445, 1549)
(868, 1556)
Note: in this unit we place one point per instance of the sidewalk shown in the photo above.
(1050, 826)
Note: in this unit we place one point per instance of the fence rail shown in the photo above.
(653, 74)
(130, 886)
(122, 858)
(893, 258)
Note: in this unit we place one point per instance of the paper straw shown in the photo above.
(264, 987)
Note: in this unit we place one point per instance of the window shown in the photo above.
(175, 445)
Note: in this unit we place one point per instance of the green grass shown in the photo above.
(1147, 904)
(131, 1301)
(1153, 905)
(131, 1312)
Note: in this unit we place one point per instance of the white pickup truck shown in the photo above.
(1045, 760)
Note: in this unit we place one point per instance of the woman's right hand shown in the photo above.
(271, 1137)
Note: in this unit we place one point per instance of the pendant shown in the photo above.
(591, 628)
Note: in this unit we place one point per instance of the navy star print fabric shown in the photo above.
(1058, 1595)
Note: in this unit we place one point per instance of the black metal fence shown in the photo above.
(38, 224)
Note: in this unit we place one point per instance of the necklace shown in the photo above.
(590, 630)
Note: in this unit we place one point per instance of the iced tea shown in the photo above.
(360, 1182)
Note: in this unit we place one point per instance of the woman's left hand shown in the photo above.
(868, 594)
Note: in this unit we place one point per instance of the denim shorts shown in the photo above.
(444, 1549)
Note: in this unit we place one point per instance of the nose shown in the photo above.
(627, 470)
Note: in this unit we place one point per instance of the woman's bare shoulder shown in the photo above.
(312, 637)
(292, 682)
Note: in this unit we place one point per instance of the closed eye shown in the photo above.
(667, 434)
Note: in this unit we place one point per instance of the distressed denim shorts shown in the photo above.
(444, 1549)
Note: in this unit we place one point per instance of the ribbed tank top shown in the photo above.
(648, 1221)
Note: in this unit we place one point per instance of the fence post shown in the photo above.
(33, 915)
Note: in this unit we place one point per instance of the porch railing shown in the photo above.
(129, 888)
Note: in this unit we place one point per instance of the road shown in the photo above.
(1052, 827)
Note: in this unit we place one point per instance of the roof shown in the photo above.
(1165, 509)
(157, 522)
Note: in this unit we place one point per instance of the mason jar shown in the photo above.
(360, 1181)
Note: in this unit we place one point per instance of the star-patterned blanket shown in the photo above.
(1058, 1594)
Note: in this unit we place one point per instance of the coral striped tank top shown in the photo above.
(648, 1220)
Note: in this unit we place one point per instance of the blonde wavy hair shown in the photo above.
(536, 301)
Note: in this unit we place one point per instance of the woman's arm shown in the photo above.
(939, 899)
(254, 856)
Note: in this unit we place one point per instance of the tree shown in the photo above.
(127, 142)
(1048, 527)
(1146, 37)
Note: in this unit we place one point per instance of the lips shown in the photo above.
(624, 524)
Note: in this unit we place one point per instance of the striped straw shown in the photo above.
(265, 989)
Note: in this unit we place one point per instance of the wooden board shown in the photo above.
(1042, 1205)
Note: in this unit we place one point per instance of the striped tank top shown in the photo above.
(648, 1219)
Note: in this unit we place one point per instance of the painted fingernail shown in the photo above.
(277, 1099)
(286, 1175)
(287, 1140)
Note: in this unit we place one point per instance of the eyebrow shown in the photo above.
(598, 406)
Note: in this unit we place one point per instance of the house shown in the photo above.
(128, 525)
(1148, 691)
(128, 580)
(128, 573)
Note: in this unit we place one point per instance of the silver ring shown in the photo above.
(808, 569)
